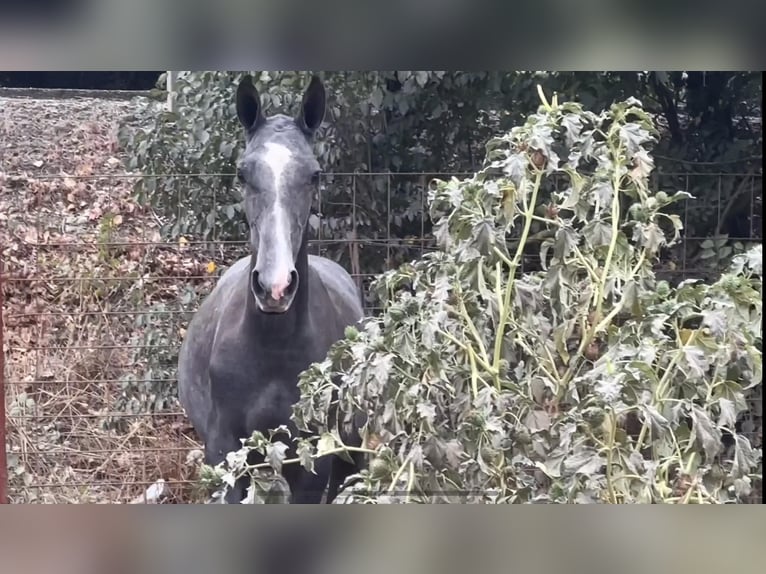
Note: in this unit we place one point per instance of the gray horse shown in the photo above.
(274, 312)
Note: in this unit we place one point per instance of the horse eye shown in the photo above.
(240, 175)
(315, 177)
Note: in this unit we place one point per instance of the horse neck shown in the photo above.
(273, 329)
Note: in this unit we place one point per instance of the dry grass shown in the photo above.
(71, 335)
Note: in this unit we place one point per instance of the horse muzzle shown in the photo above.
(274, 294)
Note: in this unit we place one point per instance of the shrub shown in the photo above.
(370, 126)
(586, 381)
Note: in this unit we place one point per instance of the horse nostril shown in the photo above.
(292, 282)
(257, 285)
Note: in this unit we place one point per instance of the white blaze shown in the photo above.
(278, 157)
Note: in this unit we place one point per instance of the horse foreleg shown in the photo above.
(340, 471)
(220, 442)
(307, 487)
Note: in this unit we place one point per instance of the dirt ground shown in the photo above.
(81, 260)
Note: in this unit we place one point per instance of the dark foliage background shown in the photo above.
(431, 122)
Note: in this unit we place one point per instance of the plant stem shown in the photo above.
(465, 348)
(669, 371)
(687, 496)
(690, 463)
(612, 243)
(474, 373)
(315, 456)
(642, 436)
(551, 375)
(410, 482)
(472, 328)
(661, 388)
(576, 250)
(528, 213)
(598, 295)
(398, 474)
(610, 456)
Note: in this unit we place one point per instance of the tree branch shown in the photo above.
(669, 110)
(741, 190)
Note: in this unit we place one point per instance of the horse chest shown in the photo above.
(257, 386)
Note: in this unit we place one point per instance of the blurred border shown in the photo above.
(353, 539)
(239, 34)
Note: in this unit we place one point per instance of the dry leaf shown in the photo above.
(211, 267)
(30, 237)
(685, 335)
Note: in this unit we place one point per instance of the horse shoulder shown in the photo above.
(340, 288)
(196, 353)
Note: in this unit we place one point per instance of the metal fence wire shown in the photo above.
(96, 303)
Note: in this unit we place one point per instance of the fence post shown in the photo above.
(3, 457)
(171, 87)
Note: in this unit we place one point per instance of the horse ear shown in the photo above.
(313, 107)
(249, 110)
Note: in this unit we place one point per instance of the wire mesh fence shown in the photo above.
(97, 298)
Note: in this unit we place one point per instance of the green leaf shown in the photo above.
(653, 238)
(454, 453)
(705, 433)
(744, 457)
(565, 242)
(602, 192)
(326, 444)
(721, 241)
(571, 196)
(695, 360)
(381, 367)
(545, 247)
(573, 126)
(376, 98)
(585, 462)
(537, 421)
(275, 455)
(728, 413)
(427, 411)
(633, 136)
(716, 321)
(509, 202)
(658, 424)
(598, 234)
(677, 228)
(632, 300)
(305, 455)
(515, 167)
